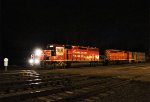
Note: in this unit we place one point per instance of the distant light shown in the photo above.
(37, 61)
(31, 61)
(51, 46)
(38, 52)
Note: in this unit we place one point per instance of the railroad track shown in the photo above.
(82, 87)
(23, 90)
(79, 94)
(52, 87)
(19, 87)
(29, 83)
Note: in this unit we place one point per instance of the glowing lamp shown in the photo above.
(51, 46)
(38, 52)
(31, 61)
(37, 61)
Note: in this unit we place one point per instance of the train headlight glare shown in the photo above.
(37, 61)
(38, 52)
(31, 61)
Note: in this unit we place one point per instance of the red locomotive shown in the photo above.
(65, 55)
(121, 56)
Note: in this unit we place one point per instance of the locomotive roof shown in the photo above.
(74, 46)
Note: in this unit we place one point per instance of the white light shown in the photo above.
(51, 46)
(31, 61)
(37, 61)
(38, 52)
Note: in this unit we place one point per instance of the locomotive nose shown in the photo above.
(38, 52)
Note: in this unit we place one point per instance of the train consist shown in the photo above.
(66, 55)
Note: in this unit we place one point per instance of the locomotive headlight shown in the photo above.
(38, 52)
(37, 61)
(31, 61)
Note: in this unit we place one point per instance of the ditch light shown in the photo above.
(34, 61)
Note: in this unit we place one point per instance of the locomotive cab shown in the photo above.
(52, 48)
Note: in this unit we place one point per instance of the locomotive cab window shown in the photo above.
(59, 50)
(53, 52)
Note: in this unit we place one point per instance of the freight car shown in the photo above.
(65, 55)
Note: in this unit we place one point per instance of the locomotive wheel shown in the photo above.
(43, 64)
(68, 64)
(61, 64)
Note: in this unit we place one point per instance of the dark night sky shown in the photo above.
(27, 24)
